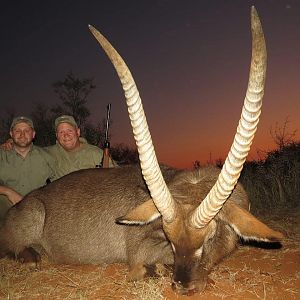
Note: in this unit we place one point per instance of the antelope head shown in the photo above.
(190, 223)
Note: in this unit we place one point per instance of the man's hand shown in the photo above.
(12, 195)
(7, 145)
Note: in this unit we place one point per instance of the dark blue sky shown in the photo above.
(190, 60)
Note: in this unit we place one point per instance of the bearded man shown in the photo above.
(23, 168)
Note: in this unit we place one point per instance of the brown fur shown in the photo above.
(72, 220)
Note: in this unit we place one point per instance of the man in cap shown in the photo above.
(23, 168)
(72, 152)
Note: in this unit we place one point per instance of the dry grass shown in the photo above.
(74, 282)
(233, 279)
(250, 273)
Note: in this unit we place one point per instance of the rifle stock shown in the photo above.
(105, 158)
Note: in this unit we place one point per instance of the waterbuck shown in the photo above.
(191, 219)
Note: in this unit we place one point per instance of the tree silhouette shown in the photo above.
(5, 123)
(43, 120)
(73, 92)
(282, 136)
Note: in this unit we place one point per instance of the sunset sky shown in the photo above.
(190, 60)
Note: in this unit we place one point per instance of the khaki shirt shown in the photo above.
(86, 157)
(24, 174)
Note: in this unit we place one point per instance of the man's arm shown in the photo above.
(12, 195)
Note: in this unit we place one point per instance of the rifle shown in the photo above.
(106, 146)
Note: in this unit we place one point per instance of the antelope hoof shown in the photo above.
(29, 257)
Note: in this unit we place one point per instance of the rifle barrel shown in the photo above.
(107, 121)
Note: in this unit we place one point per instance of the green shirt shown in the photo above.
(24, 174)
(87, 156)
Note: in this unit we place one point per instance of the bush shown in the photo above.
(275, 182)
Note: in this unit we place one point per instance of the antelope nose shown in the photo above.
(189, 290)
(176, 285)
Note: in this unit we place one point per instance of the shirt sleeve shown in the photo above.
(53, 169)
(52, 164)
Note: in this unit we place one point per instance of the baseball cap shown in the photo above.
(21, 119)
(65, 119)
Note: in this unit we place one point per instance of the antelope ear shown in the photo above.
(141, 215)
(246, 225)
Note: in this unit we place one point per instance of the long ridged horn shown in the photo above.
(233, 165)
(149, 164)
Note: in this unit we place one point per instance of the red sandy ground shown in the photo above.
(250, 273)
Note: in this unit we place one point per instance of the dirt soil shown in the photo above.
(250, 273)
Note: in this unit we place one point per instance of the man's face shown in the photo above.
(68, 136)
(22, 135)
